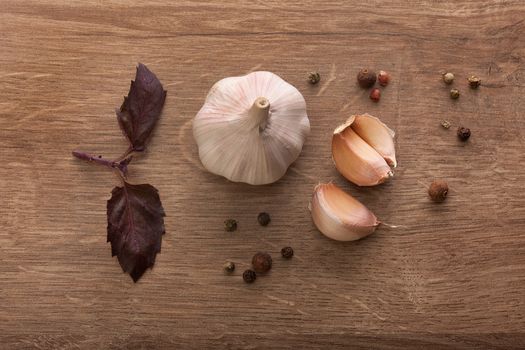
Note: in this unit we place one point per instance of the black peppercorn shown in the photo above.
(264, 219)
(463, 133)
(287, 252)
(230, 225)
(366, 78)
(249, 276)
(262, 262)
(229, 266)
(438, 191)
(314, 78)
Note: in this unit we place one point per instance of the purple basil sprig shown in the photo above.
(135, 213)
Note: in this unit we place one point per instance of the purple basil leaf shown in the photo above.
(135, 227)
(141, 108)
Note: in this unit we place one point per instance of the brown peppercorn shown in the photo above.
(438, 191)
(229, 266)
(314, 78)
(463, 133)
(454, 94)
(262, 262)
(249, 276)
(383, 78)
(230, 225)
(264, 219)
(448, 78)
(474, 81)
(366, 78)
(375, 94)
(287, 252)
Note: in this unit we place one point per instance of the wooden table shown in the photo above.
(450, 276)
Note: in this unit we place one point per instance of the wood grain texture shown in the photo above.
(452, 276)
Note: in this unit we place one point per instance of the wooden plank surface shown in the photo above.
(452, 276)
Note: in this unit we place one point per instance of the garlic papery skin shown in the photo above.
(356, 160)
(377, 135)
(251, 128)
(340, 216)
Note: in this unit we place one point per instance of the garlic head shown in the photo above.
(251, 128)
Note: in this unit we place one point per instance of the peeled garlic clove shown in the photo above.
(340, 216)
(355, 159)
(377, 135)
(251, 128)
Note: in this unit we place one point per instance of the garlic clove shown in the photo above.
(340, 216)
(251, 128)
(377, 135)
(355, 159)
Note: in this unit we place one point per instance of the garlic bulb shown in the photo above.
(251, 128)
(340, 216)
(363, 150)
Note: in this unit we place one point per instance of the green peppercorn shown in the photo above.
(229, 266)
(448, 78)
(287, 252)
(445, 124)
(314, 78)
(249, 276)
(454, 94)
(230, 225)
(474, 81)
(264, 219)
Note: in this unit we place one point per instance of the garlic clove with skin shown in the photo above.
(251, 128)
(377, 135)
(356, 160)
(340, 216)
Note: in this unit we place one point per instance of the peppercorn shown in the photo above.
(366, 78)
(249, 276)
(463, 133)
(438, 191)
(264, 219)
(454, 94)
(445, 124)
(230, 225)
(262, 262)
(448, 78)
(229, 266)
(383, 78)
(287, 252)
(313, 78)
(474, 81)
(375, 94)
